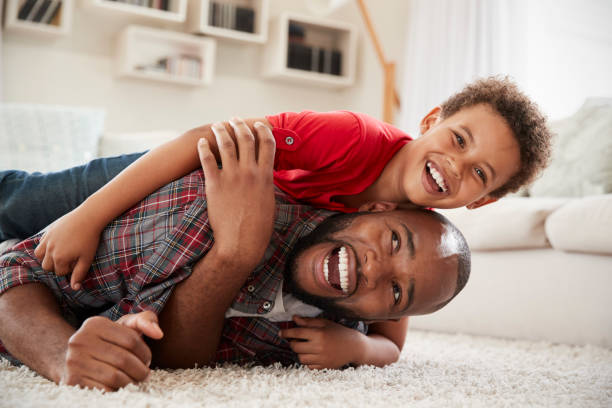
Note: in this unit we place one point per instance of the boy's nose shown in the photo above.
(453, 167)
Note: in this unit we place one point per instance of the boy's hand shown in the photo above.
(240, 196)
(69, 245)
(321, 343)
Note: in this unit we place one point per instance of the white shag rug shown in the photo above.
(437, 370)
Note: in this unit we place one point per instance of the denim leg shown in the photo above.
(31, 201)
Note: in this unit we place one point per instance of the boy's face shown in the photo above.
(460, 160)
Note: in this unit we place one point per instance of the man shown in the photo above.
(365, 267)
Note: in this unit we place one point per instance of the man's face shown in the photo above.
(459, 160)
(380, 266)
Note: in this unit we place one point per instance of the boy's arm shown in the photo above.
(321, 343)
(70, 243)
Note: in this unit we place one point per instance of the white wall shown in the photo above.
(78, 70)
(569, 53)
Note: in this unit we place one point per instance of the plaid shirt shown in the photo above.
(148, 250)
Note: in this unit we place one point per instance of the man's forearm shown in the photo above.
(33, 330)
(193, 317)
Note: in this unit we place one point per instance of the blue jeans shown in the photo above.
(31, 201)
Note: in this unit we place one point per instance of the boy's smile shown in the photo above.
(457, 161)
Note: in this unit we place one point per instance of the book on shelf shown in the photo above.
(185, 65)
(155, 4)
(231, 16)
(39, 11)
(312, 58)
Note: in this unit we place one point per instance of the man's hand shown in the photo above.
(321, 343)
(109, 355)
(240, 196)
(69, 245)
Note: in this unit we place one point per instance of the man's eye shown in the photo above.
(460, 140)
(481, 174)
(397, 293)
(395, 241)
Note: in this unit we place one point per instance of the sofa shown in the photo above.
(542, 260)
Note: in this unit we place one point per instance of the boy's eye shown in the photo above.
(460, 140)
(397, 293)
(395, 241)
(481, 174)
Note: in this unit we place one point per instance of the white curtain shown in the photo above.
(450, 43)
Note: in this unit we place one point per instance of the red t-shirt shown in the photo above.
(323, 155)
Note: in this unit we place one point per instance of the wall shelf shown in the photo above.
(316, 40)
(209, 17)
(176, 13)
(52, 23)
(140, 50)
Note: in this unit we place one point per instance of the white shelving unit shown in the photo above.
(176, 14)
(60, 25)
(199, 20)
(326, 34)
(140, 48)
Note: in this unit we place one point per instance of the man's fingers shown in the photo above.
(117, 358)
(308, 359)
(127, 339)
(267, 146)
(227, 148)
(208, 161)
(145, 323)
(89, 383)
(107, 374)
(245, 140)
(302, 347)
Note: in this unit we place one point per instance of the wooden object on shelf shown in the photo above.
(391, 98)
(200, 19)
(320, 37)
(53, 20)
(141, 51)
(176, 14)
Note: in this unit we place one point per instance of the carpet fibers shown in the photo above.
(440, 370)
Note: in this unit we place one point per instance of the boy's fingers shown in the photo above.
(40, 250)
(207, 160)
(47, 262)
(267, 145)
(79, 273)
(311, 322)
(227, 148)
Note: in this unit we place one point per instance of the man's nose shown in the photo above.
(372, 269)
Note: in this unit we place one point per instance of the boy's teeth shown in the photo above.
(342, 269)
(437, 177)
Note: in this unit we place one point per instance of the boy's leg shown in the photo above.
(30, 202)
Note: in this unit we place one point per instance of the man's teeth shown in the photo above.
(342, 269)
(437, 177)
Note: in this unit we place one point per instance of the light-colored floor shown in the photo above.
(438, 370)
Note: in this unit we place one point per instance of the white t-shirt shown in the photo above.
(285, 307)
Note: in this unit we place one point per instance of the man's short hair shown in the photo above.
(527, 123)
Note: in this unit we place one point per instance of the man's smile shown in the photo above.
(336, 271)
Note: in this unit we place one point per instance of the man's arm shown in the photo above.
(240, 203)
(100, 354)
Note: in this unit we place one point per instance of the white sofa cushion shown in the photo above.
(582, 225)
(116, 143)
(581, 164)
(510, 223)
(46, 137)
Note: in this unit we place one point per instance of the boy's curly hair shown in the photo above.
(520, 113)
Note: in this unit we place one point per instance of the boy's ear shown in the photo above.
(430, 119)
(481, 201)
(378, 206)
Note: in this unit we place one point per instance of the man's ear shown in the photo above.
(430, 120)
(378, 206)
(481, 201)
